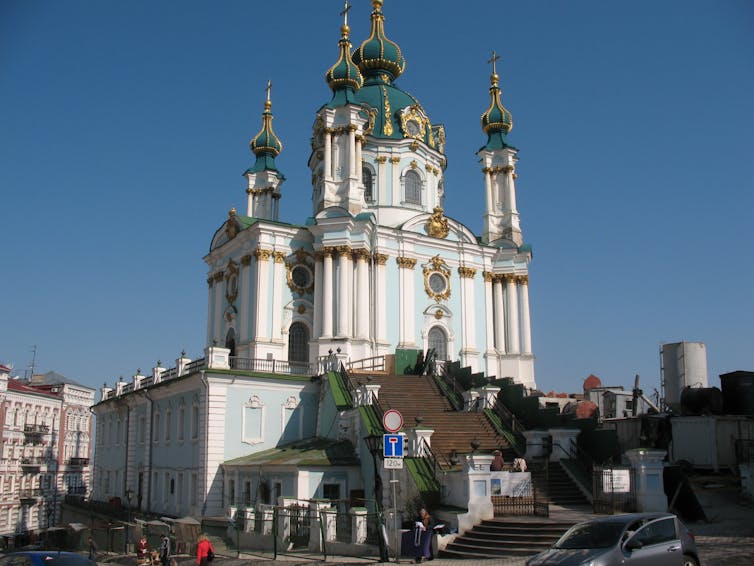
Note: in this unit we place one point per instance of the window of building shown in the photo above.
(168, 423)
(413, 187)
(298, 343)
(142, 430)
(247, 493)
(155, 480)
(331, 491)
(180, 488)
(367, 178)
(165, 487)
(194, 421)
(192, 489)
(231, 492)
(181, 422)
(156, 428)
(438, 340)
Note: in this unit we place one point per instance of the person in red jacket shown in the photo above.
(205, 553)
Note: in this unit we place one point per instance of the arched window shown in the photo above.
(367, 180)
(413, 187)
(438, 340)
(230, 342)
(298, 343)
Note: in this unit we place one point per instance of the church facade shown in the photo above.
(379, 265)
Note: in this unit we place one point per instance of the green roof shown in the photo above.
(308, 452)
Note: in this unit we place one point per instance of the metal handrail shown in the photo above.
(376, 363)
(429, 455)
(513, 424)
(274, 366)
(451, 389)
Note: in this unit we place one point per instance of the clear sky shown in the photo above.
(124, 130)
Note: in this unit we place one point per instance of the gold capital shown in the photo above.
(467, 272)
(262, 254)
(279, 257)
(380, 259)
(488, 276)
(406, 262)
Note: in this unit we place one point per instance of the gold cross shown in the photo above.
(344, 13)
(494, 60)
(268, 89)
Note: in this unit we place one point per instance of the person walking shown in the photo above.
(165, 550)
(92, 550)
(205, 553)
(423, 536)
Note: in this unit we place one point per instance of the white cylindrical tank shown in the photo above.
(684, 364)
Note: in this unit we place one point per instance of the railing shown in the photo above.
(194, 366)
(450, 388)
(526, 505)
(427, 453)
(78, 461)
(169, 374)
(76, 490)
(514, 425)
(346, 382)
(36, 461)
(36, 429)
(274, 366)
(29, 493)
(376, 363)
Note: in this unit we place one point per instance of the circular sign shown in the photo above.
(392, 420)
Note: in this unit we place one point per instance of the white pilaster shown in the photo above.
(243, 330)
(468, 338)
(362, 293)
(380, 297)
(406, 300)
(352, 152)
(327, 165)
(497, 291)
(344, 294)
(489, 318)
(512, 300)
(277, 296)
(523, 285)
(318, 295)
(327, 292)
(263, 292)
(396, 179)
(218, 315)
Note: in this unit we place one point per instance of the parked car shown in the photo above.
(648, 539)
(44, 558)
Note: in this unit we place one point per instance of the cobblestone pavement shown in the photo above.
(725, 551)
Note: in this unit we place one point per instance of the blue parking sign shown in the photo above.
(392, 446)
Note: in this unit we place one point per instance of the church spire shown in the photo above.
(501, 221)
(264, 178)
(344, 76)
(266, 145)
(496, 120)
(378, 56)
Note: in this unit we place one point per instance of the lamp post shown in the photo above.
(374, 443)
(129, 496)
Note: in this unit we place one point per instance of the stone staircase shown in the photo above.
(418, 396)
(555, 485)
(509, 537)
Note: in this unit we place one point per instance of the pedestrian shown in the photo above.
(497, 461)
(205, 553)
(165, 550)
(92, 549)
(142, 549)
(423, 536)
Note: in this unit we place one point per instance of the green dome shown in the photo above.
(344, 74)
(496, 121)
(265, 145)
(379, 55)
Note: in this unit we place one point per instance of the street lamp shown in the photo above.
(129, 496)
(374, 444)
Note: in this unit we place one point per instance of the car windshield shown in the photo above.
(591, 535)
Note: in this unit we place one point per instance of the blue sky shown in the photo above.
(124, 130)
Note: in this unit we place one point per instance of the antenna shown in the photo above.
(33, 363)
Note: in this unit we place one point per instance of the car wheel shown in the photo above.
(689, 560)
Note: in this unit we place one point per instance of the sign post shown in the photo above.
(392, 452)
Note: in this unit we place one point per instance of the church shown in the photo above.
(379, 264)
(379, 267)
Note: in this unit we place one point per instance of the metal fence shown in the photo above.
(518, 506)
(613, 489)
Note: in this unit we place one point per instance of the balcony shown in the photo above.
(78, 462)
(76, 490)
(34, 433)
(29, 496)
(31, 465)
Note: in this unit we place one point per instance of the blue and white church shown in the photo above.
(379, 266)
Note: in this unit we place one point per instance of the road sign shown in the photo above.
(392, 446)
(392, 420)
(393, 463)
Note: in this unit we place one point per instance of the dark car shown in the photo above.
(646, 539)
(45, 558)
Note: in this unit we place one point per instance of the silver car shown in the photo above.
(646, 539)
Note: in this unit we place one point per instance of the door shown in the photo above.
(656, 543)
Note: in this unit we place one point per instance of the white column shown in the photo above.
(210, 302)
(381, 180)
(328, 155)
(497, 291)
(362, 293)
(512, 299)
(396, 180)
(468, 340)
(406, 300)
(352, 151)
(510, 189)
(358, 158)
(218, 287)
(489, 318)
(327, 292)
(243, 330)
(523, 285)
(277, 295)
(344, 310)
(488, 189)
(317, 296)
(380, 295)
(249, 202)
(263, 292)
